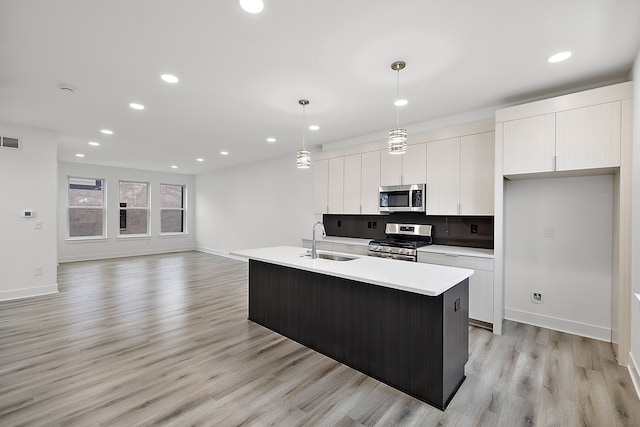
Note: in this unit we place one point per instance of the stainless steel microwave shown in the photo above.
(402, 198)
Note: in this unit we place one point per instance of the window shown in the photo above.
(85, 205)
(172, 208)
(134, 208)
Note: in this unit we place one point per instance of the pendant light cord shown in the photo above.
(304, 125)
(397, 98)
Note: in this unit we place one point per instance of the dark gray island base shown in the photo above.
(415, 343)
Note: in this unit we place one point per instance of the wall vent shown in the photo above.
(10, 142)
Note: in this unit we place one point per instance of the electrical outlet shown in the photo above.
(375, 224)
(474, 228)
(339, 223)
(536, 297)
(37, 271)
(368, 224)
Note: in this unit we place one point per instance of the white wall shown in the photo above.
(113, 246)
(635, 242)
(571, 265)
(257, 205)
(27, 181)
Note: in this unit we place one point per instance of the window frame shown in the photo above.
(147, 234)
(183, 209)
(103, 236)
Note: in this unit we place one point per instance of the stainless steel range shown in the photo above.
(402, 242)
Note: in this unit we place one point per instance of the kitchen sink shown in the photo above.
(334, 257)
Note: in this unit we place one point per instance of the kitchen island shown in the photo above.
(402, 323)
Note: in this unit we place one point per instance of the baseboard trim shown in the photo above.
(562, 325)
(225, 254)
(634, 372)
(120, 254)
(28, 292)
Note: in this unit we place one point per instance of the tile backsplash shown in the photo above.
(447, 230)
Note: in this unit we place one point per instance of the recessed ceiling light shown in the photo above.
(199, 160)
(252, 6)
(79, 155)
(136, 106)
(95, 144)
(107, 131)
(314, 127)
(169, 78)
(174, 167)
(271, 140)
(559, 57)
(224, 153)
(401, 102)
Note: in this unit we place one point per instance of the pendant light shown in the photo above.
(398, 136)
(304, 156)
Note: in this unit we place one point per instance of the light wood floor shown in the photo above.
(164, 340)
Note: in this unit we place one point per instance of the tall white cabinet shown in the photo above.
(460, 175)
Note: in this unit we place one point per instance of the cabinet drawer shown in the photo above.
(475, 263)
(440, 259)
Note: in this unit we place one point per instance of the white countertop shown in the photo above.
(442, 249)
(425, 279)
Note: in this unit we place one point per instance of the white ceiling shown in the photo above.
(241, 75)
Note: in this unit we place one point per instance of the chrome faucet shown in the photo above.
(314, 252)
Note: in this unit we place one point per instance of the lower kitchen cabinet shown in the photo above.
(480, 284)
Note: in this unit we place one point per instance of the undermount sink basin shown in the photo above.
(334, 257)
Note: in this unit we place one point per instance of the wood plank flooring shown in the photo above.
(164, 340)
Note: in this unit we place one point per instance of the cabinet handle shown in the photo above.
(555, 163)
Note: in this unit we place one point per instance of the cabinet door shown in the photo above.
(588, 137)
(352, 184)
(443, 177)
(477, 174)
(481, 296)
(529, 145)
(390, 168)
(414, 164)
(320, 186)
(335, 198)
(370, 182)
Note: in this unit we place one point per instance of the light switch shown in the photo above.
(549, 232)
(37, 224)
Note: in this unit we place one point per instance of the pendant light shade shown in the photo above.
(398, 136)
(304, 157)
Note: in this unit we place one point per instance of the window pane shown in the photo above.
(171, 196)
(85, 192)
(171, 221)
(85, 222)
(134, 221)
(134, 194)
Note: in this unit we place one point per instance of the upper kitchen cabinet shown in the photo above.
(320, 186)
(407, 168)
(460, 173)
(335, 197)
(328, 191)
(577, 132)
(352, 184)
(529, 145)
(477, 174)
(588, 137)
(370, 182)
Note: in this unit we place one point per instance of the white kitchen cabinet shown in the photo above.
(569, 140)
(335, 196)
(529, 145)
(443, 177)
(588, 137)
(480, 283)
(352, 184)
(407, 168)
(460, 175)
(320, 186)
(477, 160)
(370, 182)
(390, 168)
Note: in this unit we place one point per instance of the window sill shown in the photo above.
(135, 237)
(85, 239)
(173, 235)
